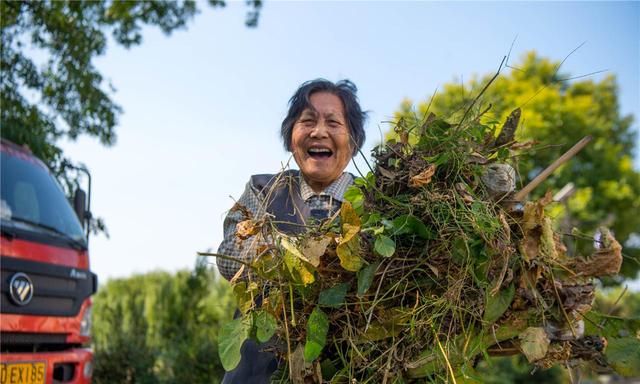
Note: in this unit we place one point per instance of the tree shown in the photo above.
(160, 327)
(65, 96)
(556, 113)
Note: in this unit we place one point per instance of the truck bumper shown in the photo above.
(73, 366)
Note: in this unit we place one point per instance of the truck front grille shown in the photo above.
(57, 290)
(12, 342)
(17, 338)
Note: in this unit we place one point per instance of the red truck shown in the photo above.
(45, 319)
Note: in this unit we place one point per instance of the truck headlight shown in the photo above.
(87, 371)
(85, 323)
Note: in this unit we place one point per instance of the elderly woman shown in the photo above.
(323, 130)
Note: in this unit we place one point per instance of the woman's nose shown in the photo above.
(319, 130)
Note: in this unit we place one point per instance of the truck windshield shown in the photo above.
(31, 196)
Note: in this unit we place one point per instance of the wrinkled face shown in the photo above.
(320, 141)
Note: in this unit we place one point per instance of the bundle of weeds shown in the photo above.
(428, 266)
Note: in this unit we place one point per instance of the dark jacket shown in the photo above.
(281, 193)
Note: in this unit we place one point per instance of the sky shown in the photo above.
(202, 107)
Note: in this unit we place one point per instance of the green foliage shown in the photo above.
(160, 328)
(619, 302)
(265, 326)
(317, 329)
(65, 95)
(384, 246)
(557, 113)
(498, 303)
(516, 370)
(334, 296)
(623, 354)
(365, 277)
(232, 336)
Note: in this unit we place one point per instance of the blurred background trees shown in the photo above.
(558, 111)
(161, 327)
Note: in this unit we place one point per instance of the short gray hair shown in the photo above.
(345, 90)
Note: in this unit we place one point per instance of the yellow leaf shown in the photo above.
(348, 249)
(244, 295)
(349, 216)
(296, 263)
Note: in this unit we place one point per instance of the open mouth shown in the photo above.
(319, 153)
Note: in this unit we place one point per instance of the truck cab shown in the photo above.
(46, 285)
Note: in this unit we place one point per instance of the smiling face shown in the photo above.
(320, 140)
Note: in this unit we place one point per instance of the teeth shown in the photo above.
(319, 150)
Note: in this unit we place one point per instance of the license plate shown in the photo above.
(23, 373)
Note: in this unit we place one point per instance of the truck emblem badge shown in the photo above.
(21, 289)
(75, 274)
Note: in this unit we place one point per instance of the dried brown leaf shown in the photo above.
(423, 178)
(247, 228)
(605, 261)
(476, 158)
(246, 213)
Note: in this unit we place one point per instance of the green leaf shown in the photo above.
(365, 278)
(372, 220)
(385, 246)
(265, 325)
(365, 181)
(391, 322)
(497, 304)
(317, 328)
(328, 370)
(503, 154)
(334, 296)
(354, 195)
(244, 295)
(409, 224)
(623, 355)
(230, 340)
(611, 326)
